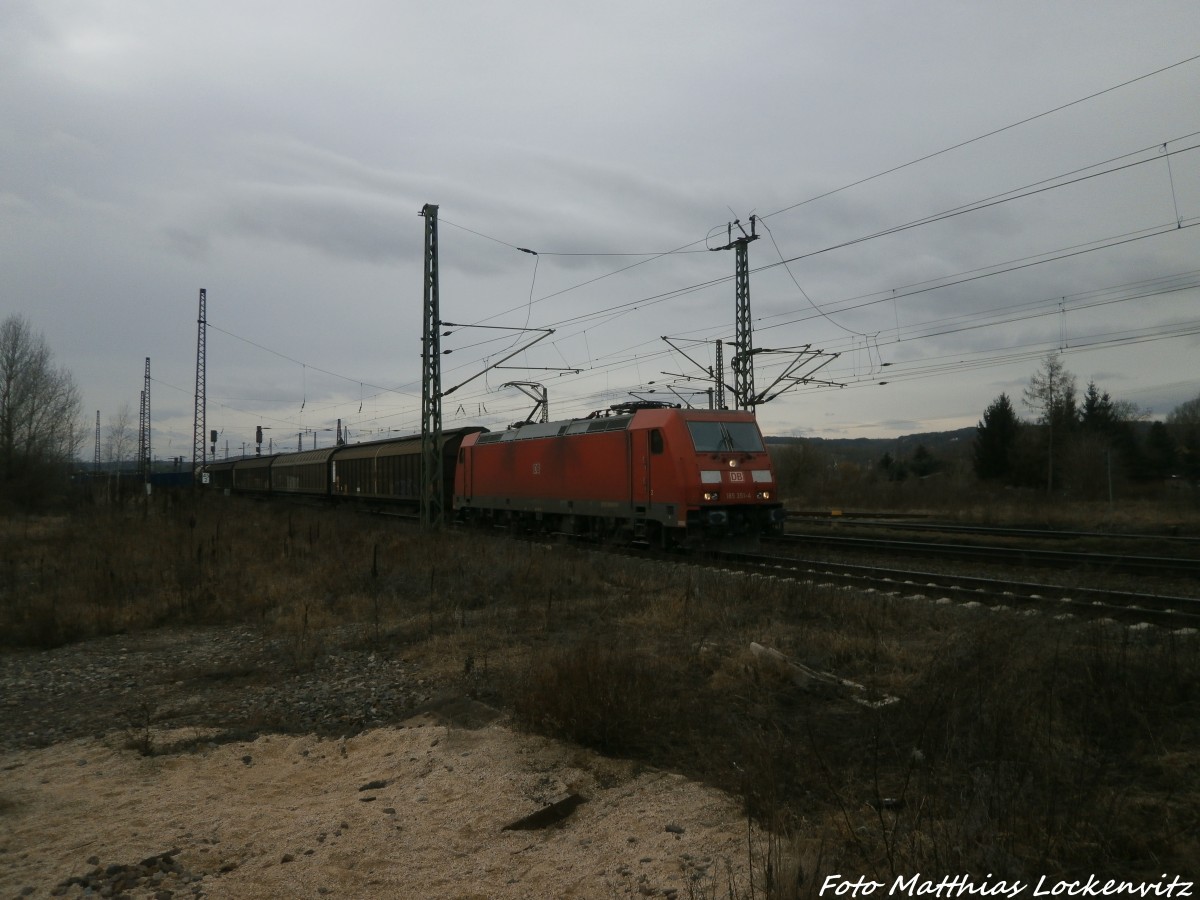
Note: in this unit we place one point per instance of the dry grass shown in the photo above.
(1018, 747)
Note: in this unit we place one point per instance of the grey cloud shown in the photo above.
(289, 168)
(338, 222)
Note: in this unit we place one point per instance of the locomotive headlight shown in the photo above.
(733, 464)
(711, 495)
(764, 495)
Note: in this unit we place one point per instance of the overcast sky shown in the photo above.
(279, 155)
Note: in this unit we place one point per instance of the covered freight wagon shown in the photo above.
(390, 470)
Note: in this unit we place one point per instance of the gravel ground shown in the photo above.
(237, 679)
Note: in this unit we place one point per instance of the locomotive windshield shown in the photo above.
(719, 437)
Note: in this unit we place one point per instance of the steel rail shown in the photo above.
(1159, 609)
(1028, 556)
(898, 523)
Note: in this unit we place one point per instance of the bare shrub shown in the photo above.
(1016, 746)
(609, 698)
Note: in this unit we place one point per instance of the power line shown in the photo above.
(624, 308)
(684, 248)
(994, 200)
(1144, 288)
(984, 136)
(804, 294)
(306, 365)
(571, 253)
(1171, 228)
(622, 358)
(894, 292)
(958, 211)
(971, 275)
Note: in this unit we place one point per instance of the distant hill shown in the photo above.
(942, 444)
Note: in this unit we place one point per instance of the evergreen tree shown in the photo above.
(995, 437)
(1107, 425)
(1097, 413)
(923, 462)
(893, 470)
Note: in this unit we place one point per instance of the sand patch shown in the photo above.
(395, 812)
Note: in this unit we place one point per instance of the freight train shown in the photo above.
(640, 472)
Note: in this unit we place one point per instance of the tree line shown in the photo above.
(41, 432)
(1082, 445)
(43, 437)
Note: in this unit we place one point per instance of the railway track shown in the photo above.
(1100, 562)
(1127, 606)
(1086, 602)
(1170, 536)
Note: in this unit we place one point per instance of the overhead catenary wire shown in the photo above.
(1160, 231)
(958, 211)
(306, 365)
(971, 275)
(831, 192)
(617, 360)
(598, 253)
(892, 293)
(994, 200)
(620, 358)
(803, 293)
(1051, 306)
(690, 288)
(615, 312)
(984, 136)
(629, 358)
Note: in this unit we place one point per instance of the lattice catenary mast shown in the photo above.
(198, 422)
(432, 503)
(742, 362)
(144, 453)
(719, 377)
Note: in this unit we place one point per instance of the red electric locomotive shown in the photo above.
(644, 471)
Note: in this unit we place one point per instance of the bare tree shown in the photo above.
(1051, 393)
(40, 408)
(118, 442)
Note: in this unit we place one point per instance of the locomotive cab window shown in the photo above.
(656, 441)
(721, 437)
